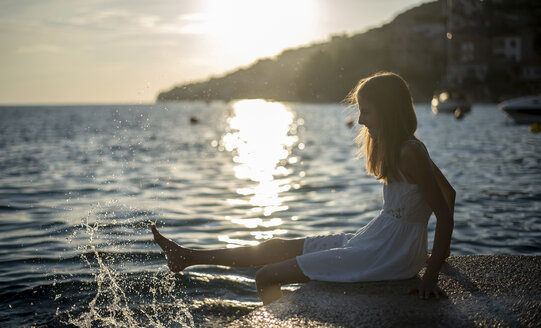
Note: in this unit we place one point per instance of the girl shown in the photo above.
(391, 246)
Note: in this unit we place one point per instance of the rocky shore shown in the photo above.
(482, 291)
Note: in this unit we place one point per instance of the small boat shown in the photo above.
(450, 102)
(194, 119)
(524, 110)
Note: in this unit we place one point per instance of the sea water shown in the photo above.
(80, 186)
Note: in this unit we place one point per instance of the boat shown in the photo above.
(450, 102)
(523, 110)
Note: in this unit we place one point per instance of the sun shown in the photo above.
(249, 29)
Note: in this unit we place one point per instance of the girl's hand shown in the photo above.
(447, 254)
(426, 288)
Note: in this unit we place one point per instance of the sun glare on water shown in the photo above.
(259, 138)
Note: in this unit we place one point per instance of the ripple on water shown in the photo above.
(79, 187)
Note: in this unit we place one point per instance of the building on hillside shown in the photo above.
(493, 47)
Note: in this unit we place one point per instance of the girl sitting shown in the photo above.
(391, 246)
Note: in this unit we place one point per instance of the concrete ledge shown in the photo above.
(483, 291)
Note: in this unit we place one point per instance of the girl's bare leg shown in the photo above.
(271, 277)
(278, 256)
(270, 251)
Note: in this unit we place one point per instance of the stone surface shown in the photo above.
(482, 291)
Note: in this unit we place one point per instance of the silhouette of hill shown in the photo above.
(411, 45)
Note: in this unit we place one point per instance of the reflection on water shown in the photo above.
(87, 177)
(260, 135)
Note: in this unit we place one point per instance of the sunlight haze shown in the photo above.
(59, 51)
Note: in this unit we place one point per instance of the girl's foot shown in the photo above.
(178, 258)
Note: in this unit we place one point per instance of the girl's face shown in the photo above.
(368, 117)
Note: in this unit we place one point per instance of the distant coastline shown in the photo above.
(427, 45)
(326, 71)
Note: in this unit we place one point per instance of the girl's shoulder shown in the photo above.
(414, 157)
(413, 147)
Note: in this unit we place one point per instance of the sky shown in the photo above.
(127, 51)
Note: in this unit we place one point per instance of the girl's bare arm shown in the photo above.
(417, 166)
(448, 191)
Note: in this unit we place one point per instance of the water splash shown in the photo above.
(123, 299)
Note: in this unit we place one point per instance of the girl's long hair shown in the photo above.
(390, 97)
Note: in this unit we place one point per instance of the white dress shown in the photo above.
(391, 246)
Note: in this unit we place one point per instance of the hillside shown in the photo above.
(411, 45)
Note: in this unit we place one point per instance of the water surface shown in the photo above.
(79, 186)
